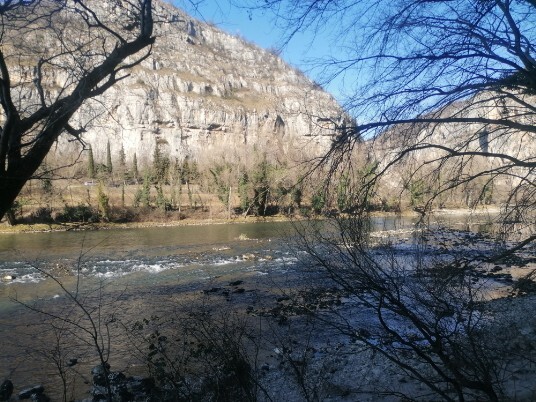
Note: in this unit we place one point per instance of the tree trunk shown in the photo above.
(10, 217)
(27, 135)
(9, 188)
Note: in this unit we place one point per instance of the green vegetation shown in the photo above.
(90, 164)
(135, 172)
(143, 195)
(103, 202)
(109, 166)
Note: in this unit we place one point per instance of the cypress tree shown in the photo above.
(122, 163)
(122, 158)
(91, 164)
(243, 187)
(160, 166)
(135, 173)
(108, 158)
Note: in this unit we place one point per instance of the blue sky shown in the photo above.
(259, 28)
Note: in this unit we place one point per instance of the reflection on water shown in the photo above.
(141, 271)
(154, 239)
(115, 252)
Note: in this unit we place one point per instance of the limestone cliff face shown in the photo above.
(204, 93)
(489, 150)
(470, 137)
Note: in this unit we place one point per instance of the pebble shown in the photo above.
(8, 278)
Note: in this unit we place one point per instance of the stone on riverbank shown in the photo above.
(36, 393)
(6, 389)
(123, 388)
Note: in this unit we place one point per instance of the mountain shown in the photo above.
(204, 93)
(479, 161)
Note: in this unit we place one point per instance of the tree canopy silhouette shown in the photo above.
(449, 85)
(444, 96)
(55, 56)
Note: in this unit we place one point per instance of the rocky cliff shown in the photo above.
(464, 155)
(204, 93)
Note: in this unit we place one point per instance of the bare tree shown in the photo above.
(447, 85)
(444, 93)
(55, 56)
(424, 312)
(82, 323)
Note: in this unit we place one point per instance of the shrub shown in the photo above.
(42, 215)
(204, 358)
(79, 213)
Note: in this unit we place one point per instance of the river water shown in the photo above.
(145, 269)
(114, 253)
(137, 272)
(191, 252)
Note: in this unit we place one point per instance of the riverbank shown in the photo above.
(206, 219)
(80, 226)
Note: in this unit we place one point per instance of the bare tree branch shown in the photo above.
(91, 61)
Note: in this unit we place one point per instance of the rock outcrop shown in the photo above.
(204, 93)
(496, 155)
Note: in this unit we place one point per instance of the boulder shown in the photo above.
(31, 392)
(6, 389)
(140, 386)
(122, 388)
(99, 374)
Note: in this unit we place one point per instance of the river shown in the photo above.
(138, 273)
(146, 268)
(191, 252)
(116, 253)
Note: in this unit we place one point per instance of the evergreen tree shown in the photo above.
(243, 192)
(108, 158)
(189, 173)
(161, 201)
(343, 193)
(122, 158)
(104, 203)
(297, 196)
(122, 163)
(318, 201)
(261, 187)
(176, 185)
(90, 164)
(220, 182)
(143, 195)
(160, 166)
(135, 173)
